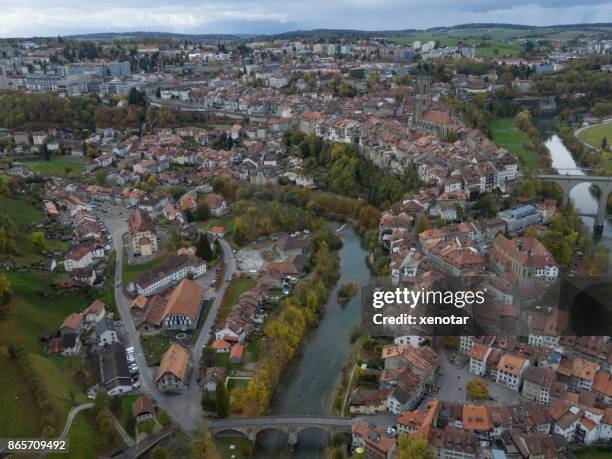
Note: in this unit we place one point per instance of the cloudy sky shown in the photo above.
(24, 18)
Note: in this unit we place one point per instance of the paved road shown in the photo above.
(185, 409)
(72, 414)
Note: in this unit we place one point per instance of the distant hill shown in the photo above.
(464, 31)
(164, 35)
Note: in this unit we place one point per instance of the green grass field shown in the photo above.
(154, 347)
(65, 166)
(503, 48)
(84, 439)
(593, 454)
(37, 308)
(594, 135)
(507, 135)
(19, 416)
(20, 211)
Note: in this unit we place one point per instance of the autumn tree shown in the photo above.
(159, 453)
(203, 446)
(5, 290)
(173, 240)
(477, 389)
(38, 241)
(100, 176)
(423, 225)
(451, 342)
(414, 448)
(239, 236)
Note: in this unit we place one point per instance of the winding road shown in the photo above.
(72, 414)
(184, 408)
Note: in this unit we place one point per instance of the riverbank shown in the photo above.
(308, 385)
(505, 133)
(285, 332)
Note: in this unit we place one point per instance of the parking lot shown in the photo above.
(249, 260)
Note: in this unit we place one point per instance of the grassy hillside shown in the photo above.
(37, 308)
(20, 211)
(507, 135)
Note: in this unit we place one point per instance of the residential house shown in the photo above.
(143, 408)
(510, 371)
(173, 370)
(478, 359)
(367, 401)
(72, 324)
(106, 331)
(537, 384)
(94, 313)
(216, 203)
(375, 441)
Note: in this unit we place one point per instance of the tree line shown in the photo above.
(285, 332)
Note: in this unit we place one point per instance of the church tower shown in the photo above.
(423, 95)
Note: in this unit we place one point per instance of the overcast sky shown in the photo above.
(25, 18)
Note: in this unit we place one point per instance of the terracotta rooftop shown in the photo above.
(174, 361)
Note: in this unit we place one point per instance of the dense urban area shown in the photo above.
(187, 223)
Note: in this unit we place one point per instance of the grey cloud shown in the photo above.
(38, 17)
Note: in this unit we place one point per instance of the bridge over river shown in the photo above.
(568, 181)
(291, 425)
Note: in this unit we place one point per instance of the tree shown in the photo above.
(38, 241)
(173, 240)
(423, 225)
(163, 418)
(477, 389)
(159, 453)
(239, 236)
(202, 212)
(146, 426)
(604, 143)
(101, 402)
(222, 399)
(203, 249)
(135, 97)
(414, 448)
(486, 206)
(5, 290)
(101, 177)
(105, 424)
(203, 446)
(451, 342)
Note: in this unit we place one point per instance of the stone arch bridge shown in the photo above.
(291, 425)
(568, 181)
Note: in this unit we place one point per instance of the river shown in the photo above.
(309, 384)
(581, 195)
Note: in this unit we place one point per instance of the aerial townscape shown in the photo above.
(188, 223)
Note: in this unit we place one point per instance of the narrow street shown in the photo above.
(185, 409)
